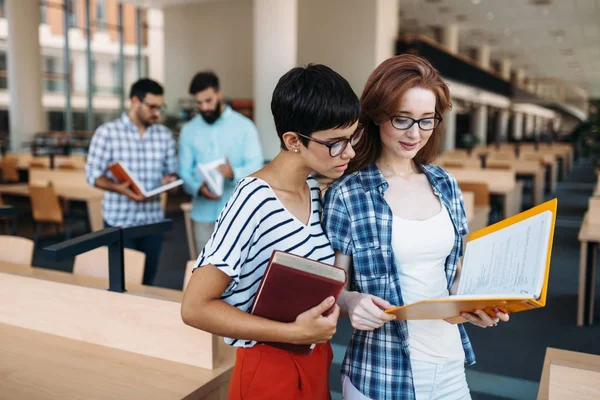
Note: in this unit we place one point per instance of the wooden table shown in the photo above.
(589, 237)
(555, 356)
(501, 183)
(61, 340)
(69, 191)
(36, 365)
(88, 281)
(532, 170)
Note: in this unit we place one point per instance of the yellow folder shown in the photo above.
(450, 308)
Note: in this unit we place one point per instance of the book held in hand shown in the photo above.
(505, 266)
(122, 174)
(211, 175)
(292, 285)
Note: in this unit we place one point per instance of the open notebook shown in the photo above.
(505, 266)
(120, 171)
(211, 175)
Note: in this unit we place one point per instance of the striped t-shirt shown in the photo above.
(253, 224)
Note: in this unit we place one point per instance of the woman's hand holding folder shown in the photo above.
(481, 319)
(366, 311)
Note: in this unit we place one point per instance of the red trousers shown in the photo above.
(263, 372)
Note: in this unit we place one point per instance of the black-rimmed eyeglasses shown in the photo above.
(154, 108)
(426, 124)
(337, 147)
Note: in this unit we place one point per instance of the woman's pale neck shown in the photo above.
(286, 172)
(390, 165)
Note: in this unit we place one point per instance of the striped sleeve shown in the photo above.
(230, 243)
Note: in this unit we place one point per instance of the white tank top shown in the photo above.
(421, 249)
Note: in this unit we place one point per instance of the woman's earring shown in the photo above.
(295, 150)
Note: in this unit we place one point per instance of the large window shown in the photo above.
(43, 14)
(3, 76)
(72, 4)
(100, 15)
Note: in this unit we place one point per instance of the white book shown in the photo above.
(211, 175)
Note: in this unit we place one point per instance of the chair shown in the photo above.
(481, 212)
(46, 208)
(8, 165)
(8, 226)
(15, 249)
(189, 230)
(94, 263)
(67, 165)
(504, 167)
(450, 164)
(38, 164)
(188, 273)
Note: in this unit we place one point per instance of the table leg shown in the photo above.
(538, 187)
(94, 209)
(591, 283)
(581, 295)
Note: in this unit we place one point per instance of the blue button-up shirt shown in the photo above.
(358, 222)
(233, 136)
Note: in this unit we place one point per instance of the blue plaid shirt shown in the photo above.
(358, 222)
(148, 157)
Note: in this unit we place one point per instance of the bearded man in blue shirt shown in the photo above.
(216, 133)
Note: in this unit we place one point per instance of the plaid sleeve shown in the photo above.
(99, 155)
(459, 203)
(336, 221)
(170, 166)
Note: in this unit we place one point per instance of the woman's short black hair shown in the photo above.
(313, 98)
(204, 80)
(144, 86)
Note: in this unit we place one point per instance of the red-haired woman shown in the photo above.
(397, 222)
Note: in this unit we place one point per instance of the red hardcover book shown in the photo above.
(292, 285)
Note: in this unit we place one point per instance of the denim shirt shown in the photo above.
(358, 221)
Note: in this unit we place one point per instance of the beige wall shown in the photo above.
(324, 37)
(355, 44)
(216, 36)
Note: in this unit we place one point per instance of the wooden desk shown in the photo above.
(589, 237)
(502, 183)
(553, 355)
(68, 341)
(38, 365)
(69, 185)
(82, 280)
(530, 169)
(25, 159)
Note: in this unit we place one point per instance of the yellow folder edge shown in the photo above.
(550, 205)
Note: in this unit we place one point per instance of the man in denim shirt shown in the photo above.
(217, 132)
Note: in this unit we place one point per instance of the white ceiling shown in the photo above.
(555, 39)
(558, 39)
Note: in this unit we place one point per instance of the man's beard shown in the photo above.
(210, 117)
(147, 122)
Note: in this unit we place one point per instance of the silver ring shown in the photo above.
(496, 324)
